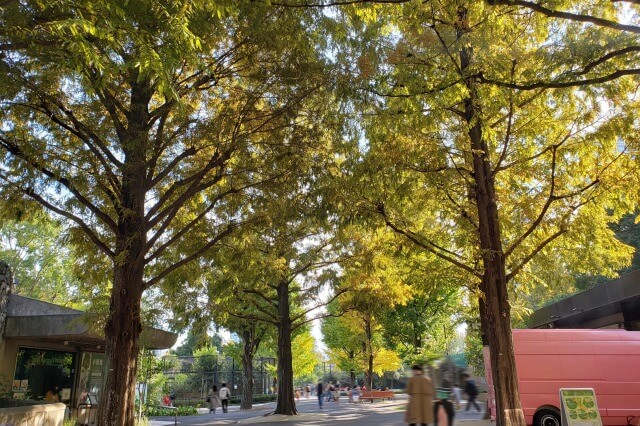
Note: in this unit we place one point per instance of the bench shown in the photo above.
(371, 395)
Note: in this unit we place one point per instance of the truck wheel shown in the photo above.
(547, 417)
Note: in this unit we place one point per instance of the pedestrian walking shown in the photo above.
(319, 393)
(329, 391)
(213, 399)
(224, 394)
(443, 411)
(421, 392)
(471, 390)
(457, 396)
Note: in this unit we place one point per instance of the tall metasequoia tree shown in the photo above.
(142, 124)
(482, 175)
(278, 274)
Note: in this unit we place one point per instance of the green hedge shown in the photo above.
(234, 400)
(184, 410)
(258, 399)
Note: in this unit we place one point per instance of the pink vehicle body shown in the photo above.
(606, 360)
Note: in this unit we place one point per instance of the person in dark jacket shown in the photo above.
(471, 390)
(319, 393)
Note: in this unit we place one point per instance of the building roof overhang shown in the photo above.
(33, 319)
(613, 302)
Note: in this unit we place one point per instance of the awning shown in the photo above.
(33, 319)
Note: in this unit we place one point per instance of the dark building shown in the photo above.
(615, 304)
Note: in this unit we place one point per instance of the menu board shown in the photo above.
(579, 407)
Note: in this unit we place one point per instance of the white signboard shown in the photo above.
(579, 407)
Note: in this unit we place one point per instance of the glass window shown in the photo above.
(91, 378)
(44, 375)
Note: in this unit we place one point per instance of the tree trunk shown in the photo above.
(369, 335)
(124, 325)
(6, 287)
(286, 403)
(494, 282)
(249, 347)
(122, 332)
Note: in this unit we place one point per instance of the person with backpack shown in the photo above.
(224, 397)
(471, 390)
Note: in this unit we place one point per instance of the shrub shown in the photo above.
(184, 410)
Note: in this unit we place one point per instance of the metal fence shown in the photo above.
(190, 377)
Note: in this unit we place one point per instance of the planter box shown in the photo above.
(33, 415)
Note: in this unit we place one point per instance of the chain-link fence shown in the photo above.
(189, 378)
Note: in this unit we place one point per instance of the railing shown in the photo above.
(168, 407)
(87, 413)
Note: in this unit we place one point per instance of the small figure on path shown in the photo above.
(319, 393)
(224, 394)
(329, 391)
(471, 390)
(355, 394)
(420, 390)
(213, 399)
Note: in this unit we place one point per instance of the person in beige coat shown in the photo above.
(421, 391)
(213, 399)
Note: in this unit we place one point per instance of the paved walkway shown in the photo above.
(387, 413)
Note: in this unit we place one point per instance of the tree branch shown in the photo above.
(559, 84)
(304, 314)
(15, 150)
(262, 296)
(184, 229)
(601, 22)
(533, 253)
(608, 56)
(426, 244)
(102, 246)
(189, 258)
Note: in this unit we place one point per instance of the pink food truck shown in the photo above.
(606, 360)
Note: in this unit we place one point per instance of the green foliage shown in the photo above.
(184, 410)
(5, 387)
(196, 339)
(305, 357)
(627, 230)
(553, 155)
(37, 250)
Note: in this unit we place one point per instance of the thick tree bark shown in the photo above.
(249, 347)
(123, 327)
(122, 332)
(6, 287)
(286, 403)
(497, 310)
